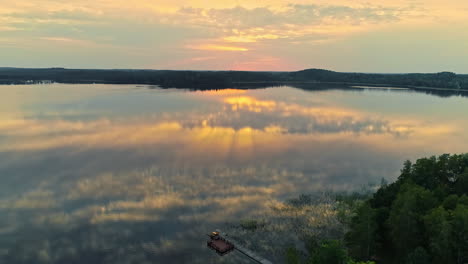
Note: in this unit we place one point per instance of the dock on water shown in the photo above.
(218, 240)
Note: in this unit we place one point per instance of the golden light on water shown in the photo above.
(72, 159)
(220, 139)
(223, 92)
(249, 103)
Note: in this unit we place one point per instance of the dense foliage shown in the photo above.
(441, 79)
(420, 218)
(225, 79)
(163, 78)
(320, 252)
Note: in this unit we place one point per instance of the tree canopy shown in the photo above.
(420, 218)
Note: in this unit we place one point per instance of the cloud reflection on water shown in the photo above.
(233, 156)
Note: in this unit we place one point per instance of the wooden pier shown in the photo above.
(245, 251)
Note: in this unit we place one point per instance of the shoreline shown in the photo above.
(264, 84)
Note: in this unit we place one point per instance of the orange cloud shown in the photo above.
(244, 38)
(213, 47)
(288, 27)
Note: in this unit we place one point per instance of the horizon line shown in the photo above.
(191, 70)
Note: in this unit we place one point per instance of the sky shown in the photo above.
(263, 35)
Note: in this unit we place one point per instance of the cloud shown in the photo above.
(240, 24)
(214, 47)
(68, 41)
(242, 122)
(235, 24)
(159, 181)
(273, 35)
(313, 120)
(39, 199)
(310, 15)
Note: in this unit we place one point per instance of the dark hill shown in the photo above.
(224, 79)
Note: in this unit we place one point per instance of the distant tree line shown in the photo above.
(164, 78)
(226, 79)
(440, 80)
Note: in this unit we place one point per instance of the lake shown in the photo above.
(139, 174)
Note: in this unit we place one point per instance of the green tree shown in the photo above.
(405, 219)
(330, 252)
(438, 225)
(460, 233)
(419, 256)
(450, 202)
(461, 184)
(406, 171)
(361, 239)
(420, 218)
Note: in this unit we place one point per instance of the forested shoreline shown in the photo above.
(229, 79)
(421, 218)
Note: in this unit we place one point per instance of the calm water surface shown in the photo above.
(128, 174)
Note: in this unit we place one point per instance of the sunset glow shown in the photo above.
(236, 35)
(218, 47)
